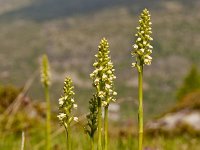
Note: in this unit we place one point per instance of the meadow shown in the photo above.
(35, 140)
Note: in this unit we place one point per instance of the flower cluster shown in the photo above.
(45, 75)
(142, 48)
(92, 117)
(103, 75)
(66, 104)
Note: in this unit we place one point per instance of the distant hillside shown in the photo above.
(10, 5)
(42, 10)
(69, 32)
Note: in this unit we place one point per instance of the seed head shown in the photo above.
(45, 73)
(91, 126)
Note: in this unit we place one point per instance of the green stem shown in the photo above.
(106, 127)
(48, 120)
(69, 139)
(99, 147)
(92, 143)
(67, 129)
(140, 109)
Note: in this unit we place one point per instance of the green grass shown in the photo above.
(34, 138)
(32, 39)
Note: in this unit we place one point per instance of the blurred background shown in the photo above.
(69, 31)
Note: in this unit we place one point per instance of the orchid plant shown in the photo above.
(103, 77)
(66, 106)
(45, 79)
(142, 50)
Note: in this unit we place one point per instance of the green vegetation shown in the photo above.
(190, 83)
(34, 140)
(7, 95)
(18, 112)
(91, 127)
(190, 101)
(59, 36)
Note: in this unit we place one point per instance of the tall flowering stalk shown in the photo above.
(66, 106)
(141, 51)
(92, 120)
(45, 79)
(103, 77)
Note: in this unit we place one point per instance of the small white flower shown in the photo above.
(147, 36)
(72, 100)
(108, 86)
(76, 119)
(101, 94)
(110, 91)
(61, 101)
(65, 97)
(104, 103)
(149, 51)
(96, 81)
(109, 72)
(133, 64)
(149, 57)
(144, 42)
(114, 100)
(147, 61)
(110, 63)
(139, 39)
(142, 50)
(104, 76)
(61, 116)
(114, 93)
(71, 92)
(75, 106)
(150, 46)
(135, 46)
(91, 75)
(101, 68)
(95, 64)
(110, 78)
(142, 32)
